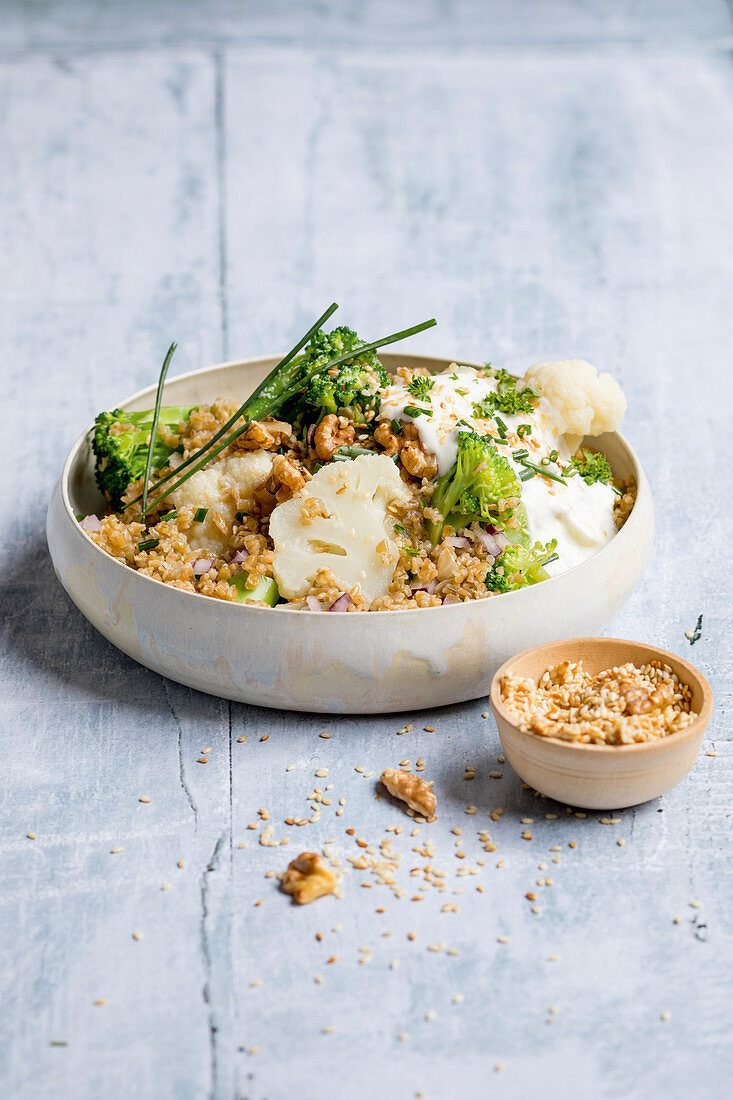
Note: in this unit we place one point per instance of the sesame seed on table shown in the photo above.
(552, 182)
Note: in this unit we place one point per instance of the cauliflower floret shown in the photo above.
(221, 488)
(585, 402)
(339, 521)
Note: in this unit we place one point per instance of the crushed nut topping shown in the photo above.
(618, 706)
(308, 878)
(409, 788)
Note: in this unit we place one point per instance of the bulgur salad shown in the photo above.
(335, 487)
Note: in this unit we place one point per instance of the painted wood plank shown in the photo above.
(463, 25)
(549, 206)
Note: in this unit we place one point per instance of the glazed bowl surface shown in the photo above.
(378, 662)
(600, 777)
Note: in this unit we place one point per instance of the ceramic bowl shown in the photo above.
(600, 777)
(300, 660)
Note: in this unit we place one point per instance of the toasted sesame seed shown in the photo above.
(503, 939)
(32, 836)
(457, 999)
(137, 935)
(116, 851)
(496, 775)
(167, 886)
(329, 1029)
(429, 729)
(695, 905)
(553, 958)
(322, 773)
(102, 1001)
(253, 1050)
(403, 1036)
(205, 751)
(202, 760)
(621, 842)
(325, 736)
(143, 798)
(241, 740)
(485, 714)
(430, 1014)
(711, 753)
(265, 737)
(666, 1015)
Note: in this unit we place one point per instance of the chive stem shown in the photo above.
(545, 473)
(154, 425)
(293, 389)
(233, 419)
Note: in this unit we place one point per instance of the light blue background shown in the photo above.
(550, 179)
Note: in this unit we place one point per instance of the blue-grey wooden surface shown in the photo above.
(550, 179)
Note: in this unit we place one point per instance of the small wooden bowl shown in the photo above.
(600, 777)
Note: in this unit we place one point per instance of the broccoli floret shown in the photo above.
(356, 384)
(120, 445)
(473, 488)
(592, 467)
(507, 399)
(518, 566)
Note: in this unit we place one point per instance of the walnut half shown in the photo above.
(308, 878)
(409, 788)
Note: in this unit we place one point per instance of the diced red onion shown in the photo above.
(449, 599)
(489, 543)
(429, 587)
(239, 558)
(203, 565)
(90, 523)
(310, 436)
(341, 603)
(459, 541)
(314, 604)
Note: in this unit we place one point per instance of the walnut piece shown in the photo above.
(308, 878)
(409, 788)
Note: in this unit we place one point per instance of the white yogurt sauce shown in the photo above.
(578, 515)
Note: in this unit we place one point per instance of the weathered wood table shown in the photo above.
(549, 179)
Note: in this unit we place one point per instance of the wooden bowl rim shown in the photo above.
(634, 650)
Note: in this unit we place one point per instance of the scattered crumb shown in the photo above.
(136, 935)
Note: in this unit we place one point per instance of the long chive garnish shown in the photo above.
(295, 386)
(544, 472)
(552, 557)
(233, 419)
(154, 425)
(148, 544)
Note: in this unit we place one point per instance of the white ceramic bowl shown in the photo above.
(346, 663)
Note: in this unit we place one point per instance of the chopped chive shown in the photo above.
(344, 454)
(396, 427)
(524, 453)
(239, 516)
(200, 515)
(551, 457)
(148, 544)
(618, 492)
(523, 430)
(173, 514)
(501, 426)
(409, 550)
(526, 475)
(413, 411)
(552, 557)
(154, 425)
(399, 529)
(545, 473)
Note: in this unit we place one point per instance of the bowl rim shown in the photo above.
(692, 674)
(252, 361)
